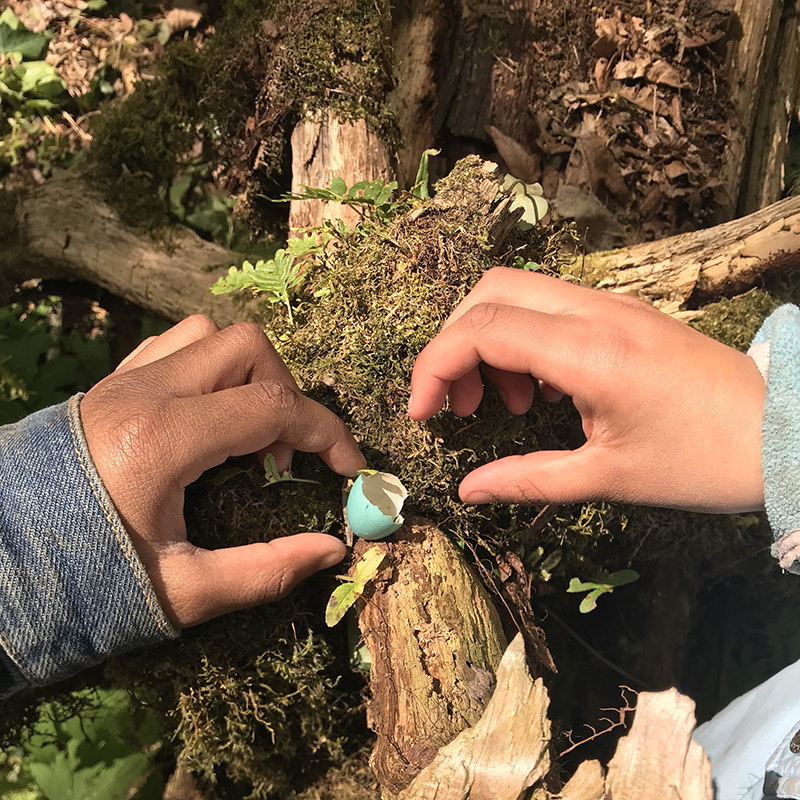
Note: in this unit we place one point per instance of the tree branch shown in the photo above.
(65, 229)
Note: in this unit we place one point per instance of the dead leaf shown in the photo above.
(633, 69)
(592, 164)
(644, 97)
(664, 73)
(600, 77)
(593, 220)
(183, 19)
(675, 169)
(126, 24)
(521, 163)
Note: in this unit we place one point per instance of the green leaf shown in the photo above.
(589, 603)
(372, 189)
(345, 595)
(20, 40)
(353, 191)
(39, 78)
(385, 194)
(420, 188)
(622, 577)
(338, 186)
(8, 17)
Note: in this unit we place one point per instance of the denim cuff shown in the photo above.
(73, 590)
(776, 350)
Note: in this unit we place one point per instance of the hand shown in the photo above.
(671, 417)
(180, 404)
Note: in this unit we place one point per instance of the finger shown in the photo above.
(552, 348)
(128, 358)
(570, 476)
(214, 582)
(514, 287)
(186, 332)
(550, 393)
(466, 393)
(246, 419)
(515, 389)
(232, 357)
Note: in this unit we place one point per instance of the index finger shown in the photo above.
(244, 419)
(506, 337)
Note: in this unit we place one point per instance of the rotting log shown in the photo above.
(505, 753)
(679, 274)
(508, 751)
(435, 641)
(65, 229)
(323, 148)
(762, 69)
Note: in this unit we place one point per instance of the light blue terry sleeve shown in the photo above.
(73, 590)
(776, 350)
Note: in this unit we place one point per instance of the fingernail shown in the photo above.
(332, 558)
(478, 498)
(410, 403)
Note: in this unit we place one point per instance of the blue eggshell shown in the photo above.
(364, 514)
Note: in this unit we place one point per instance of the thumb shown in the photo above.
(218, 581)
(551, 476)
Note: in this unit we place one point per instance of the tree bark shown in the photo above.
(324, 148)
(678, 274)
(435, 642)
(763, 67)
(65, 229)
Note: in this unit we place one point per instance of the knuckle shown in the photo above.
(482, 316)
(247, 333)
(201, 324)
(279, 397)
(493, 277)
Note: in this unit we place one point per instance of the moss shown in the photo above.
(269, 62)
(736, 321)
(140, 144)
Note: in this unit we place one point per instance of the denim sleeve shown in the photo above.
(73, 591)
(776, 350)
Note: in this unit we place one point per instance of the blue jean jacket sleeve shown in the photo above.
(73, 591)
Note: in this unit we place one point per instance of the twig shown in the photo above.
(612, 724)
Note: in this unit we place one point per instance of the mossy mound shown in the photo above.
(229, 107)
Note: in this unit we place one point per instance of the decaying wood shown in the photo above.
(417, 26)
(324, 148)
(435, 641)
(659, 759)
(65, 229)
(503, 754)
(506, 753)
(588, 783)
(762, 72)
(695, 268)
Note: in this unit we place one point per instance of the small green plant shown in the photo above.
(345, 595)
(277, 277)
(595, 590)
(271, 473)
(366, 198)
(105, 752)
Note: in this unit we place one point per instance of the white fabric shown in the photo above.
(748, 742)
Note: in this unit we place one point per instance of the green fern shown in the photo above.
(277, 277)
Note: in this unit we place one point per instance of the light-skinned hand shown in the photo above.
(180, 404)
(671, 417)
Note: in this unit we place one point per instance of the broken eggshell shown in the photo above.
(374, 505)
